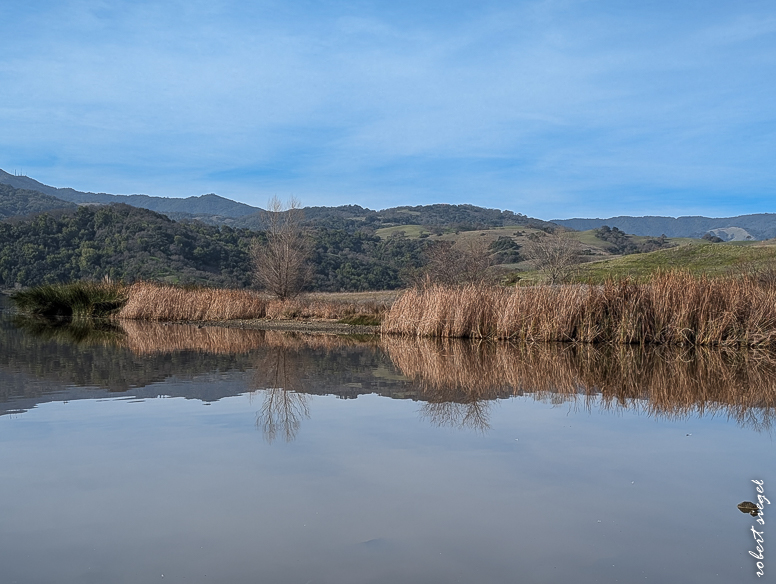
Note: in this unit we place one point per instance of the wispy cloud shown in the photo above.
(550, 108)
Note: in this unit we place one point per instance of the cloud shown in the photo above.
(593, 107)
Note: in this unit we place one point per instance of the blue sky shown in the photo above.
(551, 108)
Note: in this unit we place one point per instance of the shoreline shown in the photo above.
(311, 326)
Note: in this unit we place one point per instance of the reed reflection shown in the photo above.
(660, 381)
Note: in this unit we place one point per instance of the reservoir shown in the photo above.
(170, 453)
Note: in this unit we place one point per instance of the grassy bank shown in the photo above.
(148, 301)
(670, 308)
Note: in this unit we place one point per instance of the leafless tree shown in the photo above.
(555, 254)
(280, 260)
(463, 262)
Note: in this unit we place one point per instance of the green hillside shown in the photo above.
(696, 257)
(128, 243)
(18, 202)
(120, 242)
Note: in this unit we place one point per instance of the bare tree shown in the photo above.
(280, 260)
(555, 254)
(463, 262)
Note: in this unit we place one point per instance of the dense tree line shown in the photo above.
(128, 243)
(122, 243)
(17, 202)
(354, 261)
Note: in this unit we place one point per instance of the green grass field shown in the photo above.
(714, 259)
(411, 231)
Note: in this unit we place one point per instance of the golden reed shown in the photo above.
(665, 381)
(147, 301)
(670, 308)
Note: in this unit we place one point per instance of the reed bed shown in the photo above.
(148, 301)
(670, 308)
(665, 381)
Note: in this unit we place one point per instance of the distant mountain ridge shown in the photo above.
(205, 204)
(215, 210)
(759, 225)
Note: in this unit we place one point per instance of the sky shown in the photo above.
(554, 109)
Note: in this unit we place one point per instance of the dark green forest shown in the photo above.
(19, 202)
(128, 243)
(122, 243)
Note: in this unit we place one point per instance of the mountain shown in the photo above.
(214, 210)
(19, 202)
(210, 205)
(758, 226)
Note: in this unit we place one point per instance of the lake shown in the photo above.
(152, 453)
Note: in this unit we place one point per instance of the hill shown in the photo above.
(215, 210)
(128, 243)
(759, 226)
(207, 205)
(120, 242)
(19, 202)
(435, 217)
(712, 259)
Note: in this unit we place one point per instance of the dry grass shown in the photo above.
(157, 302)
(670, 308)
(147, 301)
(663, 381)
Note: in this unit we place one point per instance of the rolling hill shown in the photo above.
(209, 205)
(215, 210)
(758, 226)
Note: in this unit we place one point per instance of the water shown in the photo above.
(178, 454)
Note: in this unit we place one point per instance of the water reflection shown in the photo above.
(661, 381)
(279, 378)
(88, 332)
(456, 382)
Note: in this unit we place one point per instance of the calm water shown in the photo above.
(177, 454)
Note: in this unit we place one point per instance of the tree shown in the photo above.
(280, 259)
(463, 262)
(554, 253)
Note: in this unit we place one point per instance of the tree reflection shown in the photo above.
(474, 415)
(279, 377)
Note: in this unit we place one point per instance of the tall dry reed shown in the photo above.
(157, 302)
(147, 301)
(670, 308)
